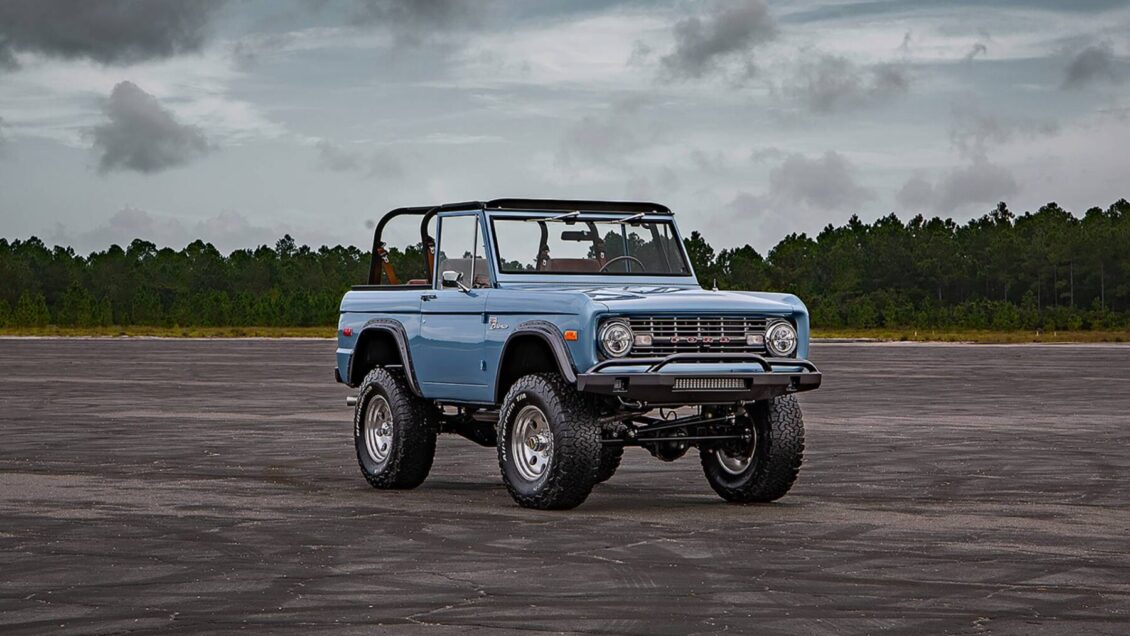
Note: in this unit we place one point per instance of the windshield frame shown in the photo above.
(602, 217)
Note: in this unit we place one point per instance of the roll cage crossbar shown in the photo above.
(380, 263)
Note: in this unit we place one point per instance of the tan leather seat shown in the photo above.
(573, 265)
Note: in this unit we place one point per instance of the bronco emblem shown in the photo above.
(494, 324)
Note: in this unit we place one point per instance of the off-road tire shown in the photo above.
(414, 427)
(777, 456)
(610, 456)
(576, 450)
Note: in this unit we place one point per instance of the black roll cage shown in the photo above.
(380, 262)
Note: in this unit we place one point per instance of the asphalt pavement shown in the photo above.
(211, 485)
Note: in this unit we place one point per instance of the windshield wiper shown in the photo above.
(559, 217)
(570, 215)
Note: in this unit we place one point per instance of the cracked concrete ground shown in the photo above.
(207, 486)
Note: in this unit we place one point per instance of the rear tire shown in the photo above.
(764, 469)
(610, 456)
(549, 448)
(394, 432)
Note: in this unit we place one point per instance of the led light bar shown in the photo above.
(709, 384)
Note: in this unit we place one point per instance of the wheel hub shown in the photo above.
(736, 460)
(538, 443)
(531, 444)
(378, 429)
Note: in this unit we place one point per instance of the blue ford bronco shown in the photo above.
(560, 332)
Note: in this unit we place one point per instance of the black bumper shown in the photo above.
(701, 386)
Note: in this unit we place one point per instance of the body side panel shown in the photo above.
(359, 307)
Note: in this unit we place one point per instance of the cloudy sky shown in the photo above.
(238, 121)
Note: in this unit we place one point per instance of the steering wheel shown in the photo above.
(623, 258)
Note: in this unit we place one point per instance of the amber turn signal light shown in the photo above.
(570, 334)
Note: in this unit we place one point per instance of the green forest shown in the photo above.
(1043, 270)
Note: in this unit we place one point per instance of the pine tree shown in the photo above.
(145, 307)
(32, 310)
(77, 307)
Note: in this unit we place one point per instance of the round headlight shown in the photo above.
(780, 339)
(616, 339)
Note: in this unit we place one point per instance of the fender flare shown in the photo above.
(551, 335)
(400, 337)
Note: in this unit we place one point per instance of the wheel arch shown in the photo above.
(381, 343)
(536, 346)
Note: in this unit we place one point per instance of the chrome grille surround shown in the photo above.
(697, 334)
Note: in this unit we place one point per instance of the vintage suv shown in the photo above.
(561, 332)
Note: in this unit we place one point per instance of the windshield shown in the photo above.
(571, 244)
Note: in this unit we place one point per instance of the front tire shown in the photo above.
(394, 432)
(549, 448)
(765, 468)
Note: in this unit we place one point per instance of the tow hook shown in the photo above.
(351, 401)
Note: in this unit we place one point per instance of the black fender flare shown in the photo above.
(400, 337)
(551, 335)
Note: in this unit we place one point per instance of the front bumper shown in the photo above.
(700, 378)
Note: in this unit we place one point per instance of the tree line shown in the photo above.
(1044, 270)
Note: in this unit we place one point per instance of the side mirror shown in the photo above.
(453, 278)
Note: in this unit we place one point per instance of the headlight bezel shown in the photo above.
(771, 341)
(603, 340)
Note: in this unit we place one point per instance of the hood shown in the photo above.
(668, 299)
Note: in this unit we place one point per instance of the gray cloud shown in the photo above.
(606, 138)
(907, 40)
(641, 54)
(727, 30)
(978, 48)
(831, 83)
(227, 230)
(598, 139)
(246, 52)
(873, 9)
(757, 220)
(825, 182)
(142, 135)
(974, 132)
(978, 182)
(414, 21)
(106, 31)
(1092, 64)
(916, 194)
(770, 153)
(336, 158)
(801, 192)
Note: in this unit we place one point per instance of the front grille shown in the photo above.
(696, 334)
(710, 384)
